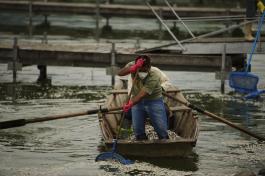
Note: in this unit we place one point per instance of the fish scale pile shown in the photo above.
(152, 135)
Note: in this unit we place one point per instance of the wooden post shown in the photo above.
(97, 21)
(223, 70)
(45, 39)
(43, 78)
(113, 63)
(92, 74)
(15, 53)
(30, 19)
(137, 44)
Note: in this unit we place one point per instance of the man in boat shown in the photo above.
(146, 98)
(251, 8)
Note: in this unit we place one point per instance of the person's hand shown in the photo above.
(260, 6)
(139, 63)
(127, 106)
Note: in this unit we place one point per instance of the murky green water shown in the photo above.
(69, 146)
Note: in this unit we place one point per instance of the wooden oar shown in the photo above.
(22, 122)
(215, 117)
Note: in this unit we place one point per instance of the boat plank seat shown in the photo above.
(119, 91)
(172, 109)
(179, 108)
(125, 91)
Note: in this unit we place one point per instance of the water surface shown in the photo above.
(69, 146)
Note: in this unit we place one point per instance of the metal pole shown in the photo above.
(169, 31)
(199, 37)
(113, 63)
(193, 36)
(223, 70)
(160, 27)
(30, 19)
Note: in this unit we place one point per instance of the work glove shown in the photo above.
(127, 106)
(139, 63)
(260, 6)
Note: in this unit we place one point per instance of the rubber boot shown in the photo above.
(248, 32)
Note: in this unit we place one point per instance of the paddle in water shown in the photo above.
(220, 119)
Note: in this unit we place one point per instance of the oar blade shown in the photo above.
(12, 123)
(220, 119)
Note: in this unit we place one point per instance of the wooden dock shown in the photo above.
(99, 55)
(201, 55)
(114, 10)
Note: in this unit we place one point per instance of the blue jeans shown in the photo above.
(155, 110)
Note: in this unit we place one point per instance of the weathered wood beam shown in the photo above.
(60, 55)
(115, 10)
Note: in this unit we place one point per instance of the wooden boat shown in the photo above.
(182, 122)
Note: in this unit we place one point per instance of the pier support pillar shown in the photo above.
(30, 19)
(14, 92)
(97, 30)
(113, 69)
(107, 28)
(223, 70)
(43, 78)
(43, 73)
(113, 62)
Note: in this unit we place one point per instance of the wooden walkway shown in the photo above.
(201, 55)
(111, 10)
(99, 55)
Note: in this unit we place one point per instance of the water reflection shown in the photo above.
(233, 108)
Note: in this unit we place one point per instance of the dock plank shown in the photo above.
(91, 55)
(111, 10)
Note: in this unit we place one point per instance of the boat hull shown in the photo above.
(183, 128)
(153, 148)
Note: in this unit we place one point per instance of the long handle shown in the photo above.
(22, 122)
(255, 41)
(129, 98)
(215, 117)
